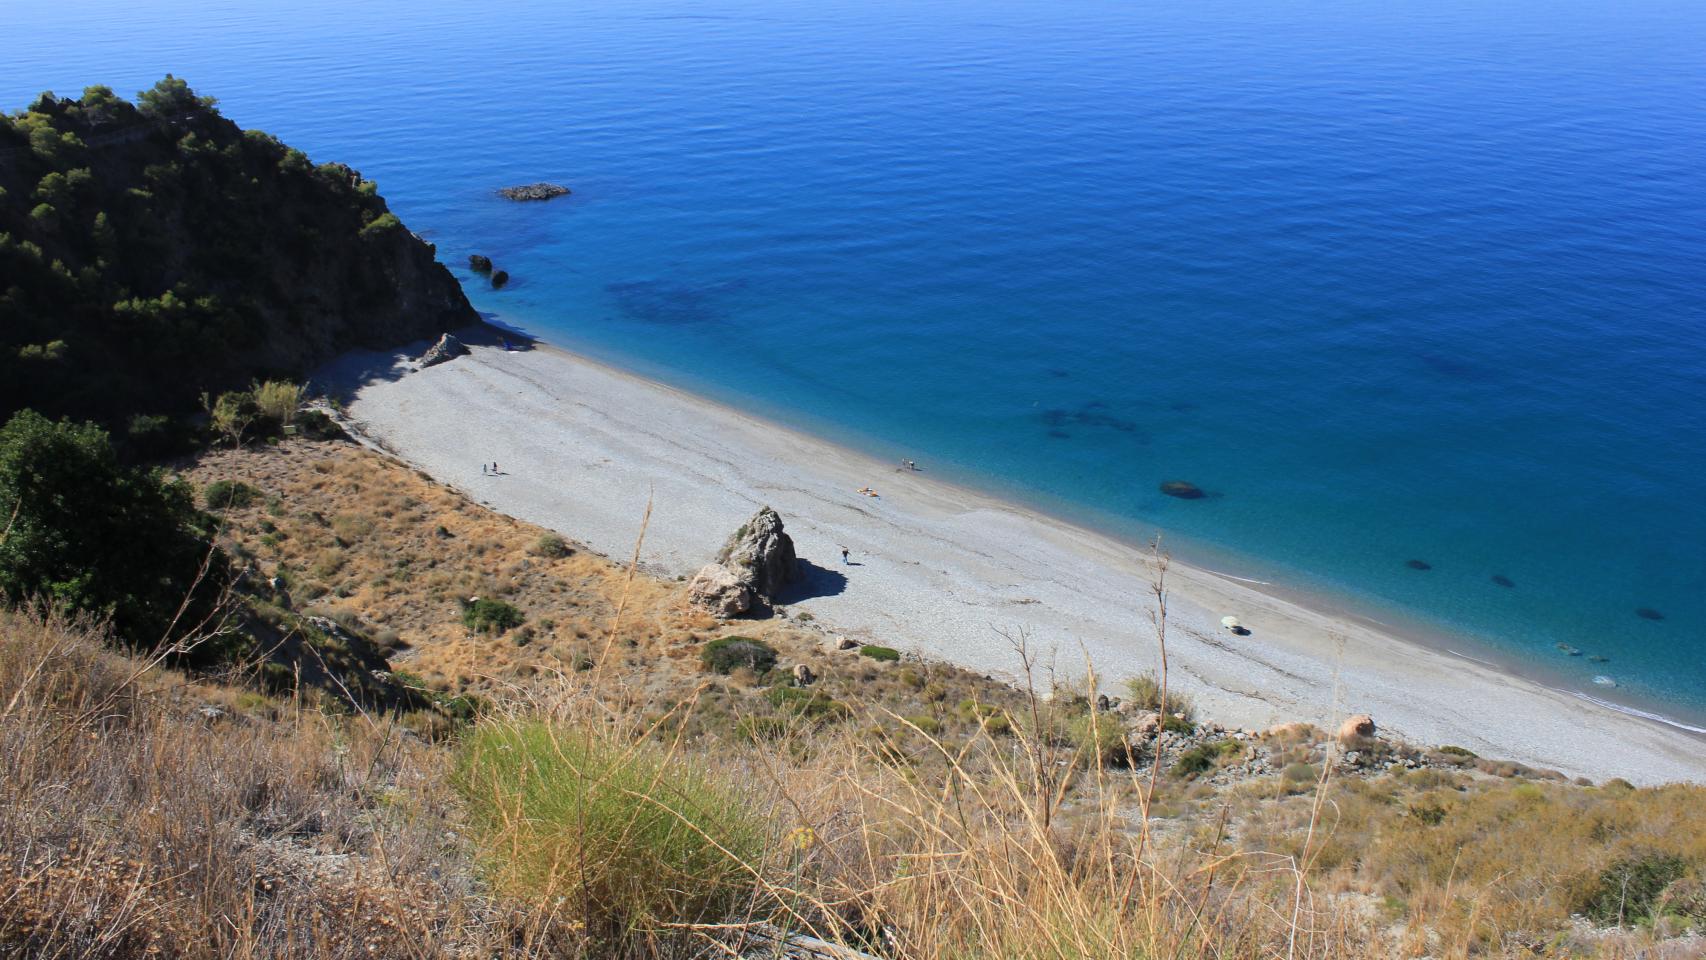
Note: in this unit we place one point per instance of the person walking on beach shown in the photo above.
(845, 560)
(485, 469)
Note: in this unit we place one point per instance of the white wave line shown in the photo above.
(1643, 714)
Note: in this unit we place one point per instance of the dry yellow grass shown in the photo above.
(361, 538)
(912, 830)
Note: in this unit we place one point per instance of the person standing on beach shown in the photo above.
(844, 558)
(485, 469)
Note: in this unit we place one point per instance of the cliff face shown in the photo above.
(152, 251)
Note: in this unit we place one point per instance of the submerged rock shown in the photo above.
(534, 191)
(1503, 580)
(447, 348)
(1182, 490)
(500, 278)
(1418, 565)
(479, 264)
(1648, 613)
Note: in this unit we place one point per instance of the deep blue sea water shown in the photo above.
(1391, 281)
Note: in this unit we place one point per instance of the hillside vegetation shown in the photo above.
(613, 788)
(153, 251)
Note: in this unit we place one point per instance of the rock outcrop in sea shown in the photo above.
(447, 348)
(534, 191)
(756, 564)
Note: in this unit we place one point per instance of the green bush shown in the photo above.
(925, 723)
(92, 535)
(880, 654)
(318, 425)
(727, 654)
(1099, 740)
(1145, 692)
(810, 704)
(1628, 889)
(1300, 773)
(1458, 751)
(228, 495)
(277, 400)
(760, 729)
(1203, 757)
(552, 546)
(484, 615)
(625, 834)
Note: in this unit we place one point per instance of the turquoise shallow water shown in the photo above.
(1415, 282)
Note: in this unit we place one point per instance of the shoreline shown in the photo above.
(947, 571)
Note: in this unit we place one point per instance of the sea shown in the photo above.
(1413, 293)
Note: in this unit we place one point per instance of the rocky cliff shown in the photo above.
(154, 250)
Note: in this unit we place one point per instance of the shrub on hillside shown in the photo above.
(880, 654)
(90, 534)
(1203, 757)
(635, 838)
(552, 546)
(1629, 888)
(810, 704)
(728, 654)
(1099, 740)
(228, 495)
(1144, 690)
(278, 400)
(486, 615)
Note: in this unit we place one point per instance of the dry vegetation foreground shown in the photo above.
(587, 767)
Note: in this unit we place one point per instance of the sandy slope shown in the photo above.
(941, 570)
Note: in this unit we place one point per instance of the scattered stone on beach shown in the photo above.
(534, 191)
(1182, 490)
(447, 348)
(720, 590)
(1503, 580)
(499, 278)
(846, 643)
(762, 555)
(1356, 729)
(803, 675)
(1418, 565)
(1648, 613)
(479, 264)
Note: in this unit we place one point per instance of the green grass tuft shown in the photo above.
(635, 836)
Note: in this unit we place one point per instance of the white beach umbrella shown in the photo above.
(1230, 623)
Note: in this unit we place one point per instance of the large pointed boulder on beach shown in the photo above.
(762, 555)
(447, 348)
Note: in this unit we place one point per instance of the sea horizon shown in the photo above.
(1421, 318)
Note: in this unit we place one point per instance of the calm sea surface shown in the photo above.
(1390, 282)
